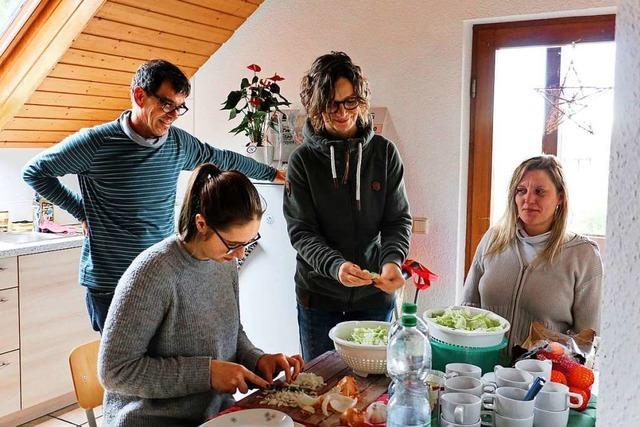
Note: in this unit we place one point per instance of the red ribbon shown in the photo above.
(422, 276)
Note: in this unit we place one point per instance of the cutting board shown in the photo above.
(330, 367)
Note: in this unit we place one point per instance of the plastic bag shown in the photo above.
(580, 347)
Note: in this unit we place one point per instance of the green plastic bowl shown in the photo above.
(484, 357)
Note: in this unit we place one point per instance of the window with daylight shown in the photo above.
(13, 16)
(541, 87)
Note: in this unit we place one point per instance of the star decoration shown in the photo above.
(565, 102)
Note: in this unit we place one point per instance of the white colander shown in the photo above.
(363, 359)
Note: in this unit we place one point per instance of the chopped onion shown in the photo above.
(376, 413)
(338, 402)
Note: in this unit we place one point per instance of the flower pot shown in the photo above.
(262, 154)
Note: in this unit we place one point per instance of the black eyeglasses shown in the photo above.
(349, 104)
(169, 107)
(230, 247)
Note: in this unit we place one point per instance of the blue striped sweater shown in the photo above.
(128, 191)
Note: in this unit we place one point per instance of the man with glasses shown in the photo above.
(128, 171)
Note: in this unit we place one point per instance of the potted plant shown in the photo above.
(257, 101)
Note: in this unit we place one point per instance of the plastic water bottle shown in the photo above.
(407, 308)
(421, 325)
(410, 309)
(408, 352)
(409, 405)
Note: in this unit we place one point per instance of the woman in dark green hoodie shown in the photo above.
(346, 207)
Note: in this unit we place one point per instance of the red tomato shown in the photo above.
(558, 377)
(580, 377)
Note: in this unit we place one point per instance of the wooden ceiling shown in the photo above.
(87, 82)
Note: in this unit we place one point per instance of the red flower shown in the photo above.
(255, 101)
(422, 276)
(276, 78)
(255, 68)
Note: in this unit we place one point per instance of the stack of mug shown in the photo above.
(460, 405)
(550, 408)
(467, 401)
(552, 405)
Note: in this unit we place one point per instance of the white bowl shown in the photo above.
(466, 338)
(364, 359)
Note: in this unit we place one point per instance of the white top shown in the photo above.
(530, 246)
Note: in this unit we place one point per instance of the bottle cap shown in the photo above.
(409, 320)
(409, 308)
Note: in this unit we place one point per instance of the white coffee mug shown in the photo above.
(467, 385)
(507, 401)
(537, 368)
(512, 377)
(502, 421)
(445, 423)
(542, 418)
(557, 397)
(463, 370)
(460, 408)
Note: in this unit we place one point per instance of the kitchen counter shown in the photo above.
(26, 243)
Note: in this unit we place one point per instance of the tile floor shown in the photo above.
(66, 417)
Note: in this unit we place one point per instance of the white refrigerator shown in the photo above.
(267, 290)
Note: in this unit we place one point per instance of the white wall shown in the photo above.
(416, 55)
(15, 195)
(621, 314)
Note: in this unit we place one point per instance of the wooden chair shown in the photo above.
(83, 361)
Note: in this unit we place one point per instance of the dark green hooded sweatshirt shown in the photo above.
(352, 208)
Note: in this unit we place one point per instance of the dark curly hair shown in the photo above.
(318, 85)
(152, 74)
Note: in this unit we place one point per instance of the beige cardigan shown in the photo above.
(563, 296)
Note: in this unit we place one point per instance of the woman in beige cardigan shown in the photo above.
(529, 267)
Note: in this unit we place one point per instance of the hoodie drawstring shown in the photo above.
(334, 174)
(345, 176)
(358, 170)
(347, 158)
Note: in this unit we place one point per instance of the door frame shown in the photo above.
(487, 38)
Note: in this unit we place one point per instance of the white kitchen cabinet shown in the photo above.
(53, 320)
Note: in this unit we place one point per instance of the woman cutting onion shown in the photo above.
(173, 349)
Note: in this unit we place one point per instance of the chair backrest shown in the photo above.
(83, 361)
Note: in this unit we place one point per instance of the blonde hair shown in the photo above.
(505, 232)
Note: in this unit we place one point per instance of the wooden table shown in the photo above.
(331, 367)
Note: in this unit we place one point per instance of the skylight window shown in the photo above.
(13, 15)
(8, 11)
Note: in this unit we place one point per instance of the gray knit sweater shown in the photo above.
(563, 296)
(171, 314)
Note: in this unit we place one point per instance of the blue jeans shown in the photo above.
(98, 303)
(314, 326)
